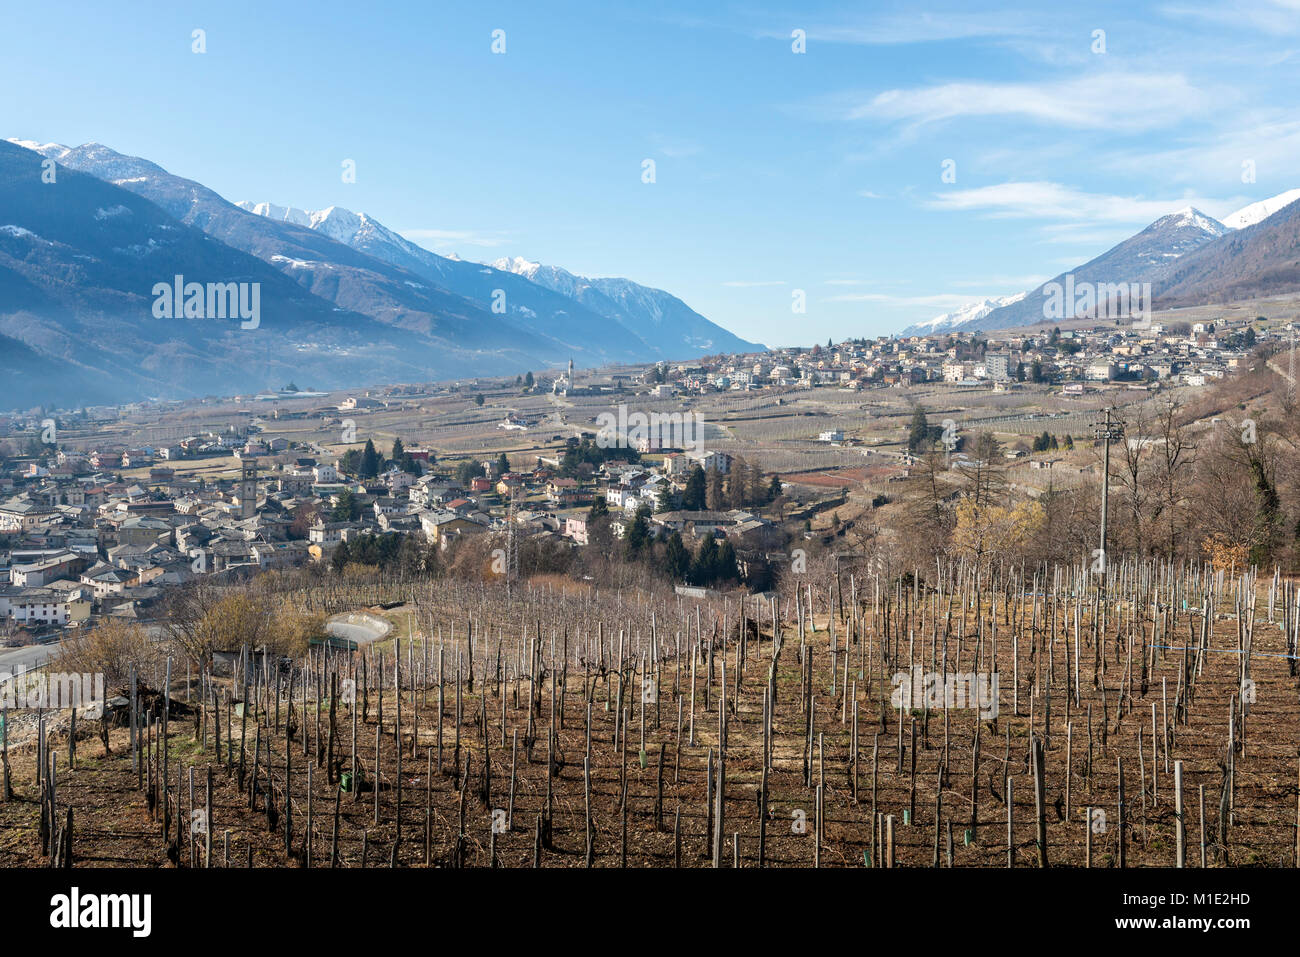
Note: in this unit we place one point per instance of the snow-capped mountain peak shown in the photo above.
(285, 214)
(1260, 211)
(336, 222)
(52, 150)
(962, 317)
(107, 164)
(517, 265)
(1191, 216)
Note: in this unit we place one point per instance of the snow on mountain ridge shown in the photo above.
(1260, 211)
(963, 316)
(1191, 216)
(630, 304)
(285, 214)
(336, 222)
(515, 264)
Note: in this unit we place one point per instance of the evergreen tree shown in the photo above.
(676, 557)
(918, 434)
(467, 471)
(704, 565)
(693, 497)
(664, 500)
(369, 466)
(637, 536)
(726, 569)
(503, 463)
(339, 560)
(350, 462)
(774, 489)
(528, 380)
(347, 508)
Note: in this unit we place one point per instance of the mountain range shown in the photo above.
(649, 323)
(345, 301)
(1189, 258)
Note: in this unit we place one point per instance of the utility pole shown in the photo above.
(1291, 369)
(512, 543)
(1108, 431)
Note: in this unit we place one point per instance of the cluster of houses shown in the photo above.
(1078, 359)
(78, 543)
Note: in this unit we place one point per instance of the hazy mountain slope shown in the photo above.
(658, 317)
(79, 259)
(588, 335)
(347, 277)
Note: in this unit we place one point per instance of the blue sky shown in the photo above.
(775, 171)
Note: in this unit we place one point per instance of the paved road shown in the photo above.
(14, 660)
(358, 628)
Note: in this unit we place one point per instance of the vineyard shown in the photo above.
(964, 716)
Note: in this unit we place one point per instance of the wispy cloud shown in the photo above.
(1263, 143)
(1113, 101)
(750, 284)
(1274, 17)
(1046, 200)
(915, 27)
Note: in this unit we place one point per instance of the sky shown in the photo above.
(914, 157)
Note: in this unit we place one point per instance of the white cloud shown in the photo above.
(1046, 200)
(749, 284)
(1113, 101)
(1273, 17)
(917, 27)
(1268, 138)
